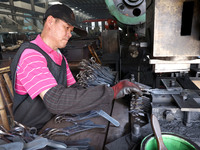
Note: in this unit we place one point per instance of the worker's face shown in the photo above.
(61, 32)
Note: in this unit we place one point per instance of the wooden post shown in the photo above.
(9, 84)
(3, 114)
(6, 96)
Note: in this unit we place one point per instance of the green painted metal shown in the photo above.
(171, 142)
(123, 18)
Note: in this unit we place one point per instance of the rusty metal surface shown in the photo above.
(110, 41)
(166, 25)
(120, 113)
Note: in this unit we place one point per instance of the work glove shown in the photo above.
(125, 87)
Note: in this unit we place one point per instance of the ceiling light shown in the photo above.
(54, 3)
(12, 32)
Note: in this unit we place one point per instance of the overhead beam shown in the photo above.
(43, 1)
(12, 10)
(96, 11)
(33, 9)
(19, 9)
(46, 4)
(21, 15)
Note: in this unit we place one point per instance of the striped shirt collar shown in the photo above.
(38, 41)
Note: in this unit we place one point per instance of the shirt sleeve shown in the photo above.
(33, 75)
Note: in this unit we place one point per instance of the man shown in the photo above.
(43, 83)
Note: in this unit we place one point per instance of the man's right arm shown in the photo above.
(61, 100)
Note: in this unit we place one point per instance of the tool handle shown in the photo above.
(157, 131)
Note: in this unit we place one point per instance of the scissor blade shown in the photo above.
(108, 117)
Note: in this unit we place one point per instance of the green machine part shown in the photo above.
(123, 18)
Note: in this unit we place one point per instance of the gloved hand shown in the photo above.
(125, 87)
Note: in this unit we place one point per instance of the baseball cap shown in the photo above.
(64, 13)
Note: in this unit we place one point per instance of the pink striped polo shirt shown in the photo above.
(33, 75)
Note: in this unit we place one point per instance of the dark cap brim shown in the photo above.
(80, 31)
(65, 13)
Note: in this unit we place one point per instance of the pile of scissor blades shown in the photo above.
(82, 116)
(21, 137)
(25, 133)
(76, 117)
(140, 106)
(70, 130)
(18, 133)
(93, 74)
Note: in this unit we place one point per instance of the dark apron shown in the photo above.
(33, 113)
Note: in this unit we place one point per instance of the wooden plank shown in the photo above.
(5, 65)
(5, 69)
(197, 83)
